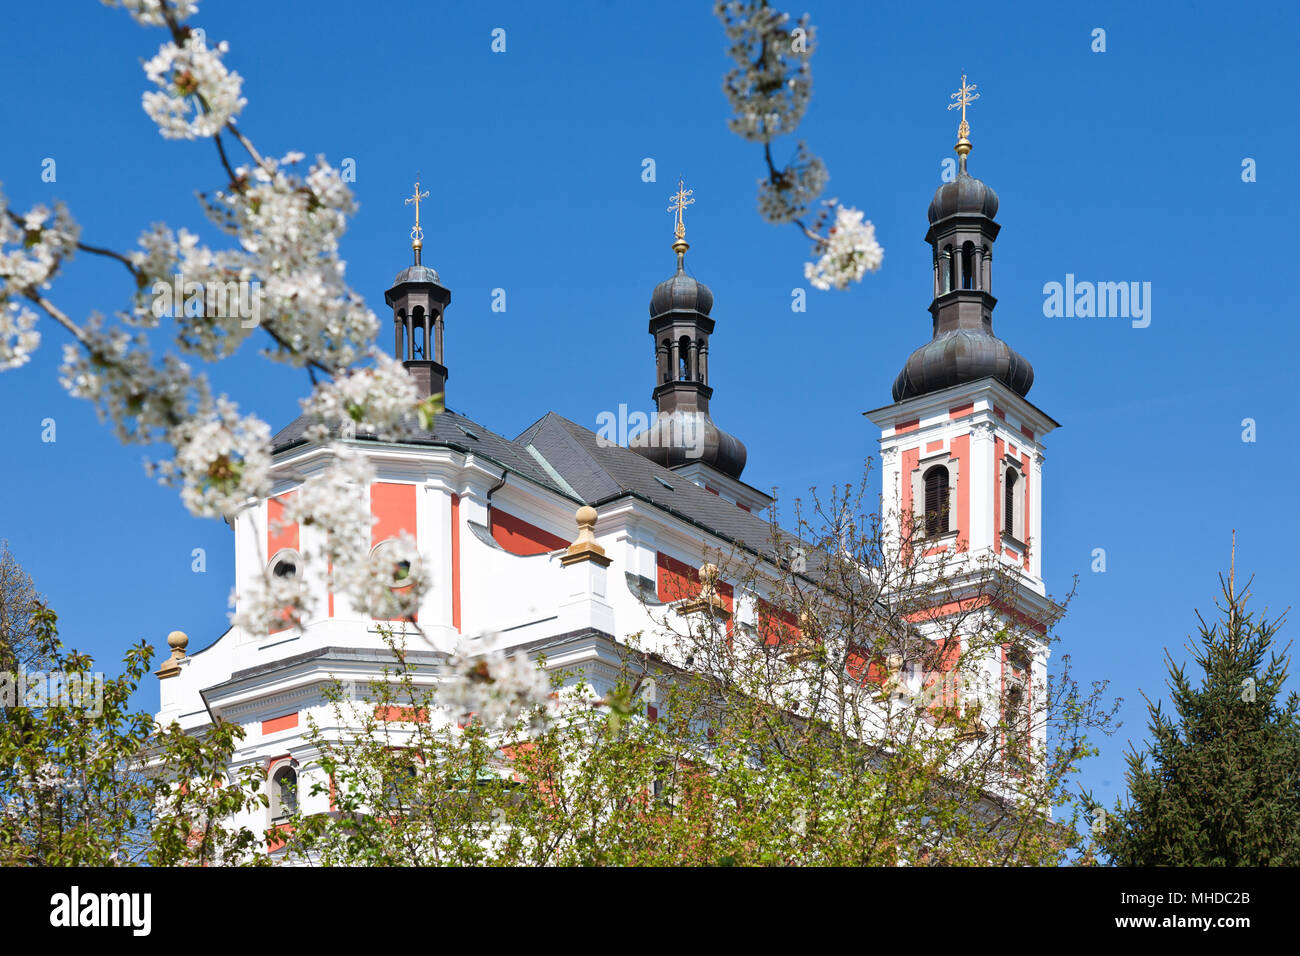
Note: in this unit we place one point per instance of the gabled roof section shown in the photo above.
(602, 471)
(450, 430)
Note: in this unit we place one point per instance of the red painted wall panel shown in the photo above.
(519, 537)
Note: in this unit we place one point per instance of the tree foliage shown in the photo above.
(1218, 784)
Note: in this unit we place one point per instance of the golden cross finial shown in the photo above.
(417, 234)
(964, 98)
(679, 203)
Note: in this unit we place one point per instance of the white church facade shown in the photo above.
(561, 542)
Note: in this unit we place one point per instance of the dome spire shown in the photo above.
(964, 98)
(417, 234)
(962, 232)
(418, 299)
(679, 203)
(683, 433)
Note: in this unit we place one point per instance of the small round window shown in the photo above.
(404, 562)
(285, 563)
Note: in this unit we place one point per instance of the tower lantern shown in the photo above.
(418, 300)
(684, 433)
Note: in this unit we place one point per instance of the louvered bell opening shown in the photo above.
(936, 501)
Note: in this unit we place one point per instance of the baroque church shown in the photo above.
(559, 541)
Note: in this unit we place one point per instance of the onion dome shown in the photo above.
(962, 355)
(681, 293)
(965, 195)
(417, 273)
(683, 436)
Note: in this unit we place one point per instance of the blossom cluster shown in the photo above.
(149, 13)
(222, 461)
(288, 228)
(771, 83)
(849, 251)
(198, 96)
(786, 195)
(374, 401)
(33, 245)
(483, 680)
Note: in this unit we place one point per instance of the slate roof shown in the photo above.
(450, 430)
(573, 462)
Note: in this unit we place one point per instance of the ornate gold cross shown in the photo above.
(964, 99)
(679, 203)
(417, 234)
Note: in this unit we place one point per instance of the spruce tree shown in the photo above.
(1219, 783)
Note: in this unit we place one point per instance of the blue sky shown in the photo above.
(1115, 166)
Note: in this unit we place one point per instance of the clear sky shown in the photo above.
(1116, 166)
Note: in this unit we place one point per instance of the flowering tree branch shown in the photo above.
(281, 274)
(769, 89)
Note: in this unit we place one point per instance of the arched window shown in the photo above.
(284, 793)
(949, 270)
(684, 359)
(968, 265)
(1009, 502)
(936, 501)
(419, 334)
(666, 358)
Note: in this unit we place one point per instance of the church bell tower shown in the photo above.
(961, 446)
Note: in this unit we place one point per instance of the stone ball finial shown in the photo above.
(178, 641)
(585, 548)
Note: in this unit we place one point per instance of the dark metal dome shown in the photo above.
(682, 437)
(965, 194)
(681, 293)
(417, 274)
(962, 355)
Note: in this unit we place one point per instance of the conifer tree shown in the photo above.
(1219, 783)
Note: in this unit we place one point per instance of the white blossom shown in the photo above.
(18, 335)
(788, 196)
(40, 246)
(771, 84)
(289, 231)
(222, 460)
(494, 686)
(149, 12)
(115, 370)
(197, 94)
(388, 583)
(271, 602)
(336, 501)
(849, 252)
(373, 401)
